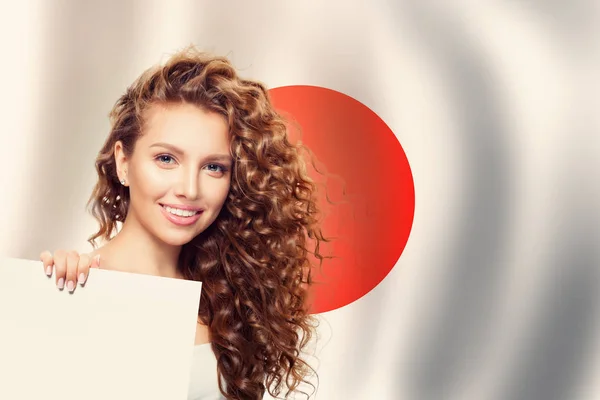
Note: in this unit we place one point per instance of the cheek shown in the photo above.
(217, 193)
(148, 182)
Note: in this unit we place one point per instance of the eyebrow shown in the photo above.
(177, 150)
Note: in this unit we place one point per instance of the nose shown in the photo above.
(188, 186)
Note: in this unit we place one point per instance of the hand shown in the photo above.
(71, 268)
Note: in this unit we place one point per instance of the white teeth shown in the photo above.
(181, 213)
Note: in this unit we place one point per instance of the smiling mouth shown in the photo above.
(180, 212)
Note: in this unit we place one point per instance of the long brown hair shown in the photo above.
(254, 261)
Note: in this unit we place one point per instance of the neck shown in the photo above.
(135, 250)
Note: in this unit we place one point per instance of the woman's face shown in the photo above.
(179, 172)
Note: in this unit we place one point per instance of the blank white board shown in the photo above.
(121, 336)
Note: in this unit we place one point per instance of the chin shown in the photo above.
(175, 239)
(179, 236)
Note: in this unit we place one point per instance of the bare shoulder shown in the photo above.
(202, 334)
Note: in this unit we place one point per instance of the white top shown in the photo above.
(204, 383)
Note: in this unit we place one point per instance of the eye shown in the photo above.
(165, 159)
(216, 168)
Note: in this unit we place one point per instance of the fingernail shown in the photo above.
(49, 270)
(70, 286)
(98, 260)
(81, 279)
(61, 283)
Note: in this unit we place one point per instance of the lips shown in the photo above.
(181, 215)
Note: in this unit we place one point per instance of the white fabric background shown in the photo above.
(495, 104)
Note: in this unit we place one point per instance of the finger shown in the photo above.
(96, 261)
(83, 268)
(60, 268)
(72, 262)
(47, 262)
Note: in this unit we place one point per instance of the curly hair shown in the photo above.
(254, 261)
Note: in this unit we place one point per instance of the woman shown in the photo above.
(201, 179)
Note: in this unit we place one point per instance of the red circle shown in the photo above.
(370, 223)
